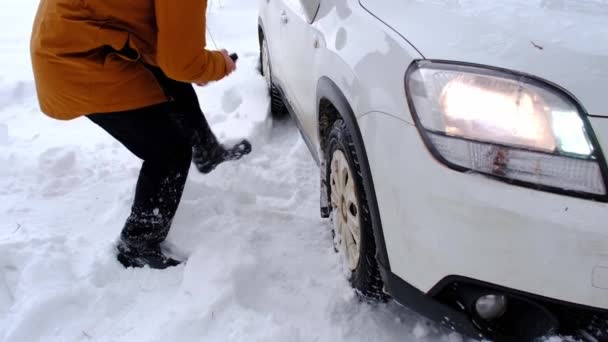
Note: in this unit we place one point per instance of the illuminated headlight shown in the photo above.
(510, 126)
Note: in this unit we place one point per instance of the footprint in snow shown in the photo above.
(231, 100)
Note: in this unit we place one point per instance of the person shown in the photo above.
(129, 66)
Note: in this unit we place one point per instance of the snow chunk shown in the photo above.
(420, 330)
(57, 161)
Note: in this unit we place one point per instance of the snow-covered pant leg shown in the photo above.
(186, 111)
(150, 134)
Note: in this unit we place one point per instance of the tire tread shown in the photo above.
(366, 279)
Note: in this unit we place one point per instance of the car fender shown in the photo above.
(329, 90)
(364, 57)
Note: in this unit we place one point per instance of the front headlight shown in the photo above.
(506, 125)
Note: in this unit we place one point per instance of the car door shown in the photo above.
(299, 41)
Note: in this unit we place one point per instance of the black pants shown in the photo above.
(162, 136)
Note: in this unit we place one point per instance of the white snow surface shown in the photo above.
(260, 262)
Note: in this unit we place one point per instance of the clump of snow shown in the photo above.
(558, 339)
(420, 330)
(57, 161)
(455, 337)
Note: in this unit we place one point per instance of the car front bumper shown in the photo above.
(439, 223)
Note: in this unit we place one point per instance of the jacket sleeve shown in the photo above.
(181, 52)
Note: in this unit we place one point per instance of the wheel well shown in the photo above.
(333, 105)
(260, 34)
(260, 40)
(328, 114)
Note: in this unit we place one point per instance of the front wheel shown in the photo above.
(277, 107)
(350, 214)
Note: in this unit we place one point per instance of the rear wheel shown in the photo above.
(350, 214)
(277, 107)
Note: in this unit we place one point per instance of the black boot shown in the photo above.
(150, 256)
(207, 159)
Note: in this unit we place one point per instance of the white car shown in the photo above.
(460, 147)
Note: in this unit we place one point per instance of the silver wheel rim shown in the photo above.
(266, 65)
(346, 208)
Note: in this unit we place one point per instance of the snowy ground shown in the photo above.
(261, 265)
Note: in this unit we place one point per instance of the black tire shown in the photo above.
(278, 109)
(366, 278)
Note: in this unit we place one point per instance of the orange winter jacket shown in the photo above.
(88, 56)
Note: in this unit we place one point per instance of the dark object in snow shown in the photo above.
(537, 46)
(234, 56)
(206, 160)
(151, 256)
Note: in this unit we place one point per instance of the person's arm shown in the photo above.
(181, 43)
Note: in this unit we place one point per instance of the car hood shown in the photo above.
(563, 41)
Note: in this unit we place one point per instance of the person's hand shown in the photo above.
(230, 64)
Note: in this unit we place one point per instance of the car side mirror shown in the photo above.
(311, 7)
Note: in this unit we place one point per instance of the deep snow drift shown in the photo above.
(261, 265)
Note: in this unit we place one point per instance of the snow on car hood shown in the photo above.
(563, 41)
